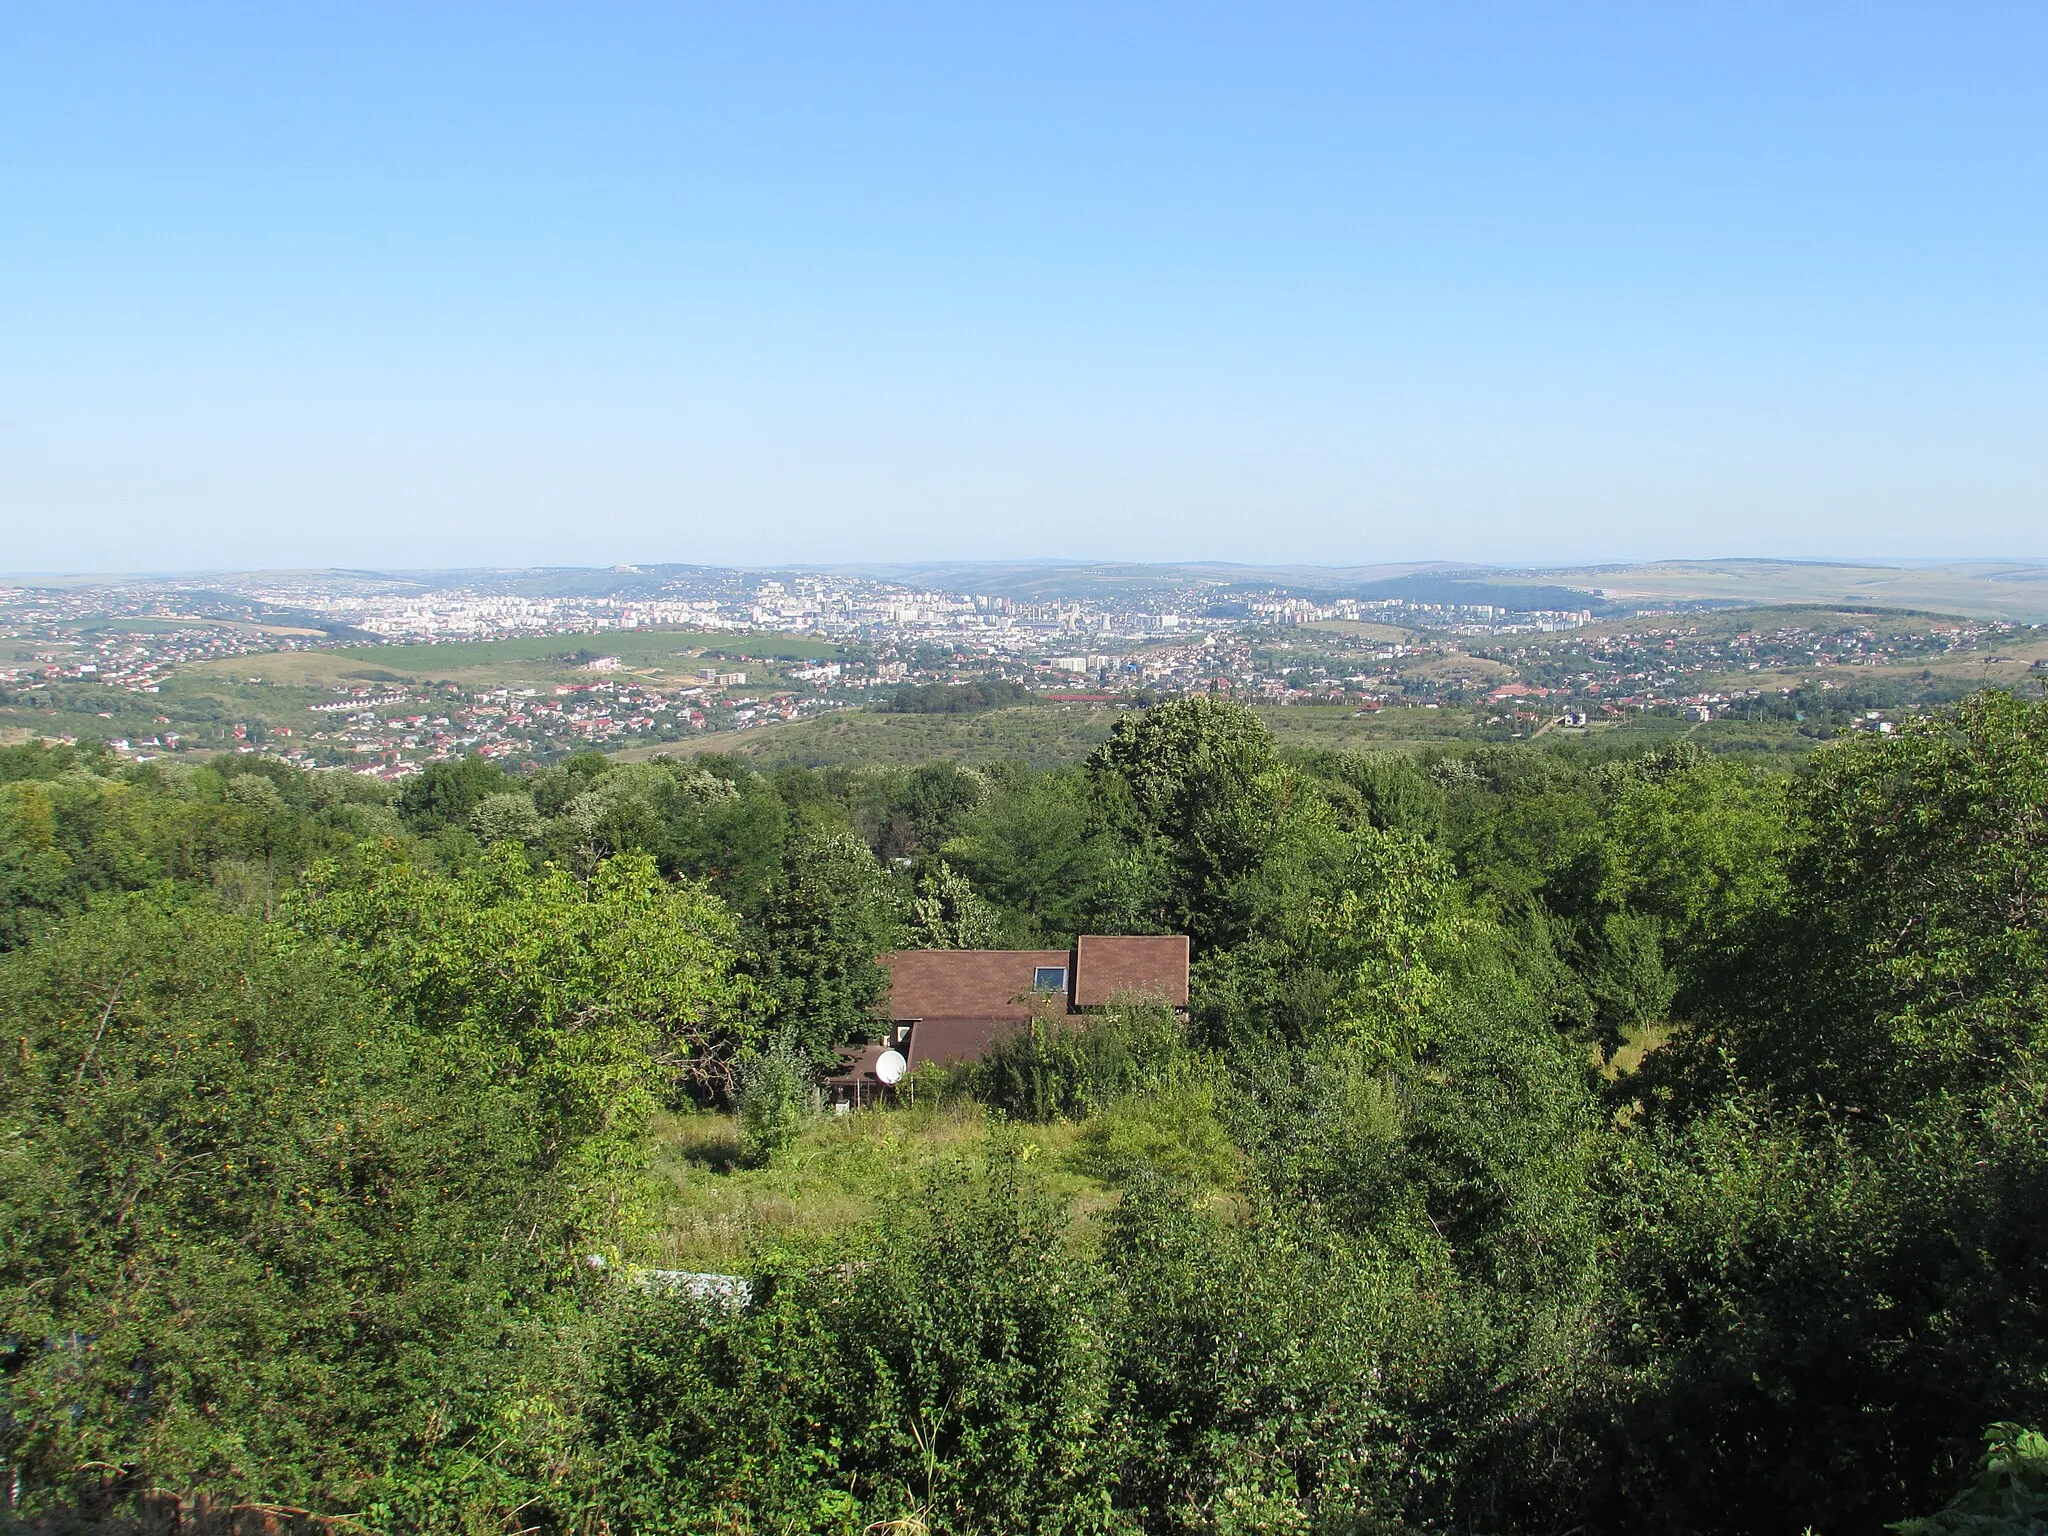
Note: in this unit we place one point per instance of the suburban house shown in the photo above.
(948, 1006)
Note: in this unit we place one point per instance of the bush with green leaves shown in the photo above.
(261, 1236)
(590, 998)
(775, 1096)
(948, 1374)
(1815, 1315)
(1066, 1067)
(2009, 1496)
(1172, 1133)
(946, 912)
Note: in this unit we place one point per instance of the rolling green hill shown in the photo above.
(1040, 734)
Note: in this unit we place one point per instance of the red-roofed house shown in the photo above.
(948, 1006)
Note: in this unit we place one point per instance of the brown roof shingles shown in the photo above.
(949, 1041)
(968, 983)
(1153, 965)
(962, 1001)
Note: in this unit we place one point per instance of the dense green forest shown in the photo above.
(953, 698)
(1561, 1140)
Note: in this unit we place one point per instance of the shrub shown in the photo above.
(2009, 1497)
(1173, 1134)
(953, 698)
(774, 1099)
(1066, 1069)
(950, 1378)
(259, 1238)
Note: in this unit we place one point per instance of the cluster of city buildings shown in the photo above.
(130, 637)
(1642, 667)
(394, 734)
(1162, 636)
(67, 647)
(830, 606)
(1455, 618)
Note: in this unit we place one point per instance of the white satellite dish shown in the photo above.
(890, 1067)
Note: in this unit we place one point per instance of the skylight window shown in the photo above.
(1049, 978)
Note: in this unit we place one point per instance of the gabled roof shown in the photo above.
(1151, 965)
(947, 1042)
(969, 983)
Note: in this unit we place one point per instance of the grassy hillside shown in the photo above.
(2005, 662)
(1990, 589)
(1049, 735)
(662, 655)
(1980, 589)
(1040, 734)
(1358, 629)
(200, 700)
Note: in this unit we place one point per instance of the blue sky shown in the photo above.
(372, 284)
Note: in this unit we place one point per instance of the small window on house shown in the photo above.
(1049, 978)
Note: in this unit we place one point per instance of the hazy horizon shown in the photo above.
(1026, 562)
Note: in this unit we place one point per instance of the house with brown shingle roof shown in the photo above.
(950, 1006)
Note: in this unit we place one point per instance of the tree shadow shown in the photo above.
(718, 1152)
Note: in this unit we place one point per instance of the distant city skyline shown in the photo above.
(387, 675)
(384, 287)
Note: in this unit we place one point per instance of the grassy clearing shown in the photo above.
(1339, 727)
(1629, 1055)
(710, 1215)
(1359, 629)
